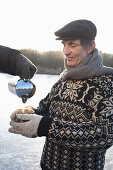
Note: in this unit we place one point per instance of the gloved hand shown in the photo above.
(28, 127)
(24, 67)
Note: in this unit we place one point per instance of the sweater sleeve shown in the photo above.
(43, 108)
(85, 136)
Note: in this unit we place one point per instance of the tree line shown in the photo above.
(52, 62)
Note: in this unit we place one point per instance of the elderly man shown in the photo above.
(77, 115)
(14, 62)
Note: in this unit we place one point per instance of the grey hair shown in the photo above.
(85, 43)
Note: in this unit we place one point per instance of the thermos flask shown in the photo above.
(22, 88)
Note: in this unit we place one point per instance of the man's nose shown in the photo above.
(66, 51)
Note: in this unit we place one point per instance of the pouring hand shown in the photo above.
(24, 67)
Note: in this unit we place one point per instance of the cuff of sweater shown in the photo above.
(44, 126)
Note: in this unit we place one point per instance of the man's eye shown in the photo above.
(73, 45)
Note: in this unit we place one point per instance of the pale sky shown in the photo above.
(32, 23)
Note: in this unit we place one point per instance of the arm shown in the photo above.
(43, 108)
(84, 136)
(44, 104)
(15, 63)
(7, 59)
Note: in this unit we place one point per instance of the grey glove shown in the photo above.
(24, 67)
(28, 127)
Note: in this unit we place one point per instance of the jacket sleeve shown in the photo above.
(7, 61)
(96, 134)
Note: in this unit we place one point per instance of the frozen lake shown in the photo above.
(18, 152)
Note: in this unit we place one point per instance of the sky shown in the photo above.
(32, 23)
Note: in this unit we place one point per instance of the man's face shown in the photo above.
(74, 52)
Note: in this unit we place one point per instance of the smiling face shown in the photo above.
(75, 52)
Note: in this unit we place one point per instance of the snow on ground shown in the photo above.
(18, 152)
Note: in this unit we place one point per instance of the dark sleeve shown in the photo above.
(7, 60)
(44, 126)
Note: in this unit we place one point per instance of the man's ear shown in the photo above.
(91, 47)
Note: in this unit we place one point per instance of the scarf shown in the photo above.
(90, 66)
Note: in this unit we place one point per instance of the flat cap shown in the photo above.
(78, 29)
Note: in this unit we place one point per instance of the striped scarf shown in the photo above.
(89, 67)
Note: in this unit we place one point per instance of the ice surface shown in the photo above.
(18, 152)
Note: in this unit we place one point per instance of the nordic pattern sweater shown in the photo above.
(77, 123)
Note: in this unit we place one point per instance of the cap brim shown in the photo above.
(66, 38)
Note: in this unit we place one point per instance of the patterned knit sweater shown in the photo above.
(77, 123)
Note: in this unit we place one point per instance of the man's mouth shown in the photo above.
(69, 58)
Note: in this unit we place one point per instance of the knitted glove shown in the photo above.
(28, 127)
(24, 67)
